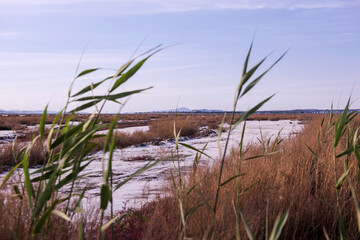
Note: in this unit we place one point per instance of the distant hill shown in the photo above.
(187, 110)
(182, 109)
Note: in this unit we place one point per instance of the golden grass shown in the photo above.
(294, 176)
(19, 122)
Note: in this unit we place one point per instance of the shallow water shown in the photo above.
(147, 185)
(7, 135)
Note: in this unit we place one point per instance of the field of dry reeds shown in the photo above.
(303, 187)
(292, 177)
(160, 128)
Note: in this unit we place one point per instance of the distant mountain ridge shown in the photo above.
(294, 111)
(187, 110)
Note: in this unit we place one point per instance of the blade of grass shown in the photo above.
(230, 179)
(249, 232)
(195, 149)
(250, 112)
(279, 225)
(8, 175)
(87, 72)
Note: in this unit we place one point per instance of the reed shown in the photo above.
(303, 187)
(65, 154)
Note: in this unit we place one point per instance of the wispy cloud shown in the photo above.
(9, 34)
(174, 68)
(126, 7)
(22, 59)
(287, 4)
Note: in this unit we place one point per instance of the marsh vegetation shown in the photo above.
(302, 187)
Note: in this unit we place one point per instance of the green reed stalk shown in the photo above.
(242, 89)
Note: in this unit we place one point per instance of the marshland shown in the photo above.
(170, 176)
(270, 151)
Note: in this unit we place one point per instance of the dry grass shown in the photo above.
(294, 176)
(7, 153)
(20, 122)
(161, 125)
(159, 130)
(15, 218)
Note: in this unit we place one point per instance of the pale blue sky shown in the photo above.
(41, 42)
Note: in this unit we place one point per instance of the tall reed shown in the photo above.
(66, 155)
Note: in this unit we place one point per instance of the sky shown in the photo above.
(41, 42)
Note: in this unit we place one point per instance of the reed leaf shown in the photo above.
(67, 135)
(86, 105)
(105, 196)
(316, 156)
(61, 215)
(260, 155)
(239, 88)
(194, 186)
(110, 222)
(326, 235)
(250, 187)
(193, 209)
(231, 178)
(41, 222)
(249, 232)
(139, 171)
(126, 76)
(27, 182)
(279, 225)
(91, 87)
(220, 129)
(342, 178)
(87, 72)
(42, 124)
(69, 178)
(250, 112)
(254, 82)
(347, 151)
(247, 76)
(356, 147)
(46, 174)
(8, 175)
(237, 221)
(340, 125)
(112, 97)
(195, 149)
(45, 195)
